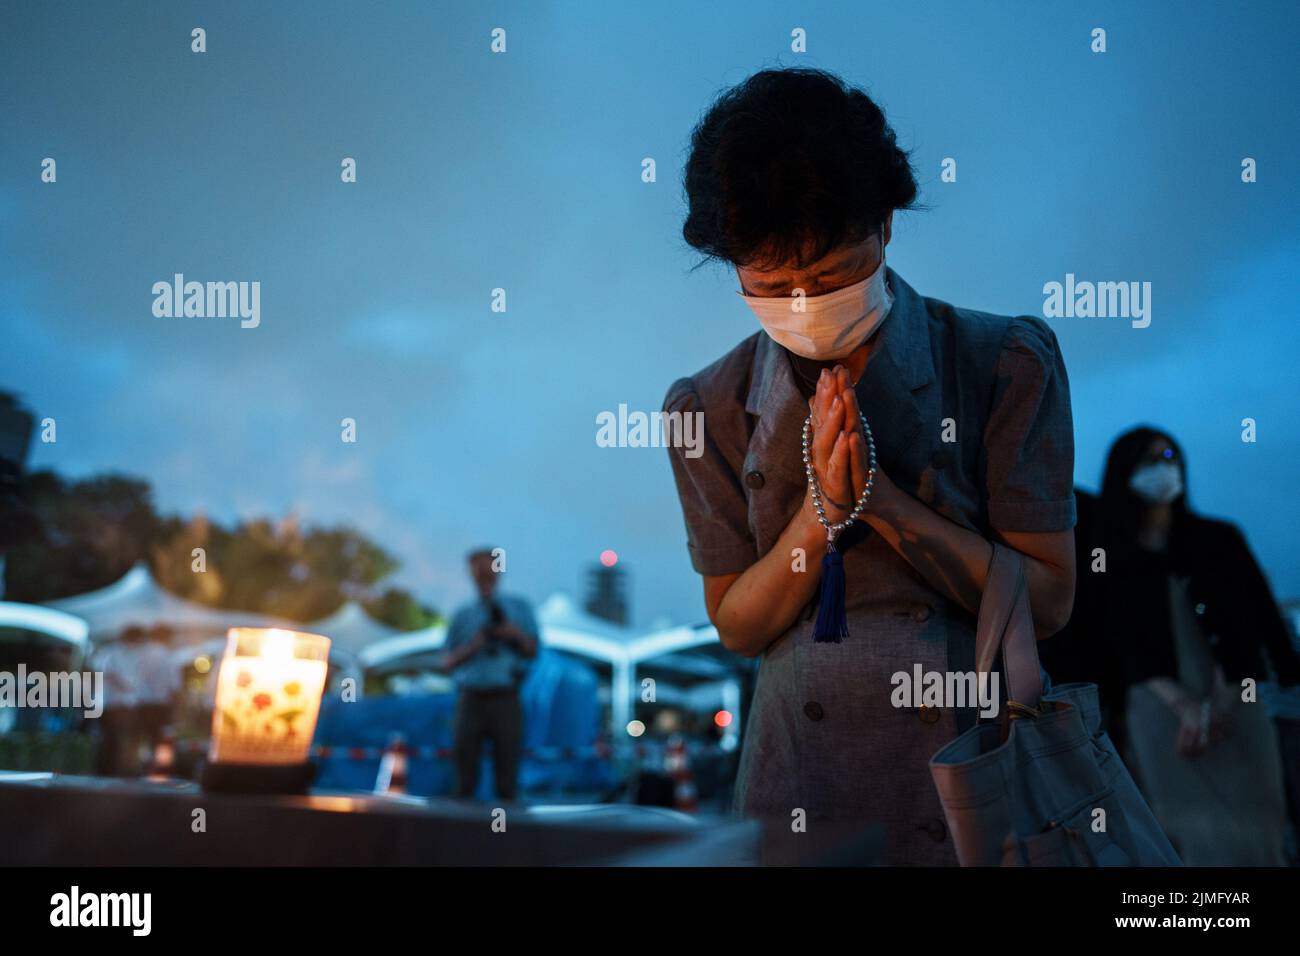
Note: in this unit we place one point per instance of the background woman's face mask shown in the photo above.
(1158, 483)
(829, 326)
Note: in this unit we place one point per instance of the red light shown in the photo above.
(608, 558)
(722, 718)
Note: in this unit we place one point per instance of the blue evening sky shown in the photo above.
(522, 171)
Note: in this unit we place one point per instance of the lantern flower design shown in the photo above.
(268, 696)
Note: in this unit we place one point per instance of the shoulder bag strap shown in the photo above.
(1006, 624)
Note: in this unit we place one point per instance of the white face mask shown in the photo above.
(1158, 483)
(829, 326)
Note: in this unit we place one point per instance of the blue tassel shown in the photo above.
(832, 624)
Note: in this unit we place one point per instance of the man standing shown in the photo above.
(118, 754)
(489, 643)
(158, 680)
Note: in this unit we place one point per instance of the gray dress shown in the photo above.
(822, 735)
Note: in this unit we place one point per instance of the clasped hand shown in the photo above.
(838, 447)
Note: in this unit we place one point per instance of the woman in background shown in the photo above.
(1186, 616)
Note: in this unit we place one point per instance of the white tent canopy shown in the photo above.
(351, 629)
(583, 633)
(566, 627)
(404, 645)
(44, 620)
(138, 599)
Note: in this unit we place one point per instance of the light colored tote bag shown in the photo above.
(1041, 785)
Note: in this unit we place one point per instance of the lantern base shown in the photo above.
(290, 779)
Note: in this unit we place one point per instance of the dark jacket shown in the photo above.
(1119, 633)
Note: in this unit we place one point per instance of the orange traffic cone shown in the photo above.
(392, 767)
(677, 765)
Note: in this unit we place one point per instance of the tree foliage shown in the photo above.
(91, 531)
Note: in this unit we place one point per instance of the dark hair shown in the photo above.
(787, 166)
(1121, 506)
(477, 553)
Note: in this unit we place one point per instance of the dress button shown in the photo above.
(1200, 609)
(922, 613)
(936, 828)
(813, 710)
(754, 479)
(928, 715)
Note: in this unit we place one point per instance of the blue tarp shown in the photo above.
(561, 713)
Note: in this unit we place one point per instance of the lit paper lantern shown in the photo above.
(269, 691)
